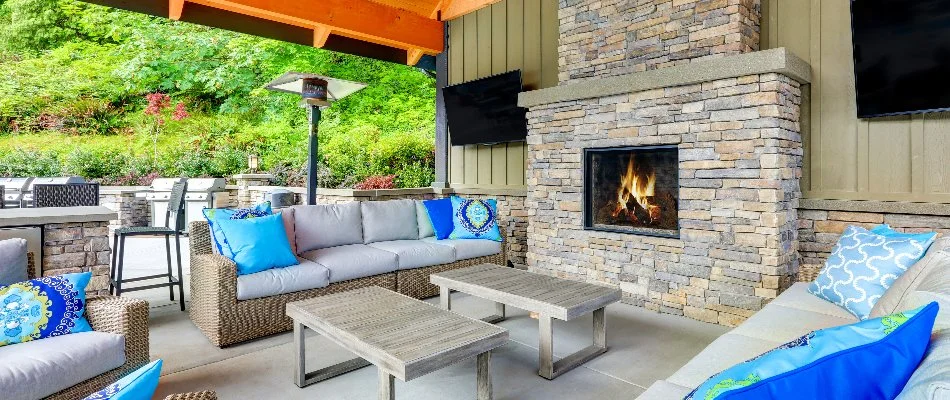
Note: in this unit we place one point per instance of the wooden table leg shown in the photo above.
(550, 369)
(387, 386)
(300, 355)
(546, 346)
(484, 376)
(445, 297)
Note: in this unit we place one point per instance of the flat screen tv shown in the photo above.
(485, 111)
(901, 56)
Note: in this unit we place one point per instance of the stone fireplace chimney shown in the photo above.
(686, 75)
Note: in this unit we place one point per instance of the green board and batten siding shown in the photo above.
(887, 159)
(508, 35)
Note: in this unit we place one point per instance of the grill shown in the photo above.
(27, 200)
(14, 189)
(202, 193)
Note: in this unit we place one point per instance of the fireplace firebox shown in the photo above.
(632, 190)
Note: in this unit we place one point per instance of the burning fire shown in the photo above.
(635, 196)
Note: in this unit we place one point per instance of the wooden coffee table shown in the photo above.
(405, 338)
(548, 296)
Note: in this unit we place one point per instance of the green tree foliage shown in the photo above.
(76, 75)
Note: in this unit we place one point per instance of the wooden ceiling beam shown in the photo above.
(357, 19)
(175, 9)
(320, 35)
(452, 9)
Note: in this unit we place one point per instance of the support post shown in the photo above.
(312, 160)
(483, 375)
(441, 120)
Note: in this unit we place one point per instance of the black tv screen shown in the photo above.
(486, 111)
(901, 56)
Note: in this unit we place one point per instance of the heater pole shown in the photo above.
(312, 162)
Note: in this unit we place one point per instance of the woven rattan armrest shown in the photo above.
(123, 316)
(207, 395)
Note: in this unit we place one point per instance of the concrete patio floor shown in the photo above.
(644, 347)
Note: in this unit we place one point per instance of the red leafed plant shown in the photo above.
(157, 104)
(377, 182)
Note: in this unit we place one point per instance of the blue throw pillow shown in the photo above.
(139, 385)
(863, 265)
(871, 359)
(215, 214)
(475, 219)
(885, 230)
(440, 213)
(259, 244)
(43, 307)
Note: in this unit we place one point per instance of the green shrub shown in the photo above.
(27, 163)
(95, 163)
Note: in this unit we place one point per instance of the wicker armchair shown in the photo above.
(225, 320)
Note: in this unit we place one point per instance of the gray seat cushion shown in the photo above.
(389, 220)
(425, 224)
(322, 226)
(39, 368)
(353, 261)
(417, 253)
(931, 380)
(272, 282)
(469, 248)
(726, 351)
(663, 390)
(12, 261)
(783, 324)
(798, 297)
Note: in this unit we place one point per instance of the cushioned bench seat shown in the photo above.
(39, 368)
(353, 261)
(306, 275)
(417, 253)
(468, 248)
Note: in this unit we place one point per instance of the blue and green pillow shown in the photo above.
(871, 359)
(258, 244)
(475, 219)
(43, 307)
(213, 215)
(140, 384)
(864, 264)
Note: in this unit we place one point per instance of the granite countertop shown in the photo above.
(54, 215)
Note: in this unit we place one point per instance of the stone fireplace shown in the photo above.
(632, 190)
(667, 106)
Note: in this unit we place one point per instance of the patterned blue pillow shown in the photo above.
(863, 265)
(871, 359)
(475, 219)
(43, 307)
(886, 230)
(215, 214)
(138, 385)
(440, 213)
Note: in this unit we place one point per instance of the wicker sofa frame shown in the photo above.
(225, 320)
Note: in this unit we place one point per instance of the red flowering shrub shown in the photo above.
(377, 182)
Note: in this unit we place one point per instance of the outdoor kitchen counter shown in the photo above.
(10, 217)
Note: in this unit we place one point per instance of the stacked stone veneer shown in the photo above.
(614, 37)
(739, 158)
(132, 209)
(78, 247)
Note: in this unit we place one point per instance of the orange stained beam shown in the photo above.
(175, 9)
(452, 9)
(320, 35)
(413, 56)
(357, 19)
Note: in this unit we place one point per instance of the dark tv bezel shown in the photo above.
(521, 83)
(857, 105)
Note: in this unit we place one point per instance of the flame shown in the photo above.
(640, 184)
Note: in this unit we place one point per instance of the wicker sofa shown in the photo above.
(340, 247)
(796, 312)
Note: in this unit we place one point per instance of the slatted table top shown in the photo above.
(559, 298)
(404, 336)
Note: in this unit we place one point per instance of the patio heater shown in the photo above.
(317, 92)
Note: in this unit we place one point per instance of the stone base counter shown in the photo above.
(74, 239)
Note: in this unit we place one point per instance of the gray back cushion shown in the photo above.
(389, 220)
(934, 265)
(322, 226)
(425, 224)
(12, 261)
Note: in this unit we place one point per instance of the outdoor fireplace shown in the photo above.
(632, 190)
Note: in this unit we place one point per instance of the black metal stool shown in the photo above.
(176, 207)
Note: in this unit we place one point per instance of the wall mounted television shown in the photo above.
(901, 56)
(485, 111)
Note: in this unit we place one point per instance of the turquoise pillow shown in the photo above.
(259, 244)
(871, 359)
(440, 213)
(43, 307)
(863, 265)
(475, 219)
(138, 385)
(214, 214)
(885, 230)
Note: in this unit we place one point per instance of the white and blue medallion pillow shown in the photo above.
(139, 385)
(43, 307)
(864, 264)
(871, 359)
(475, 219)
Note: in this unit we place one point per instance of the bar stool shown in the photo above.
(176, 208)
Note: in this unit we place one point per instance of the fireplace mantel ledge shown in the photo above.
(779, 60)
